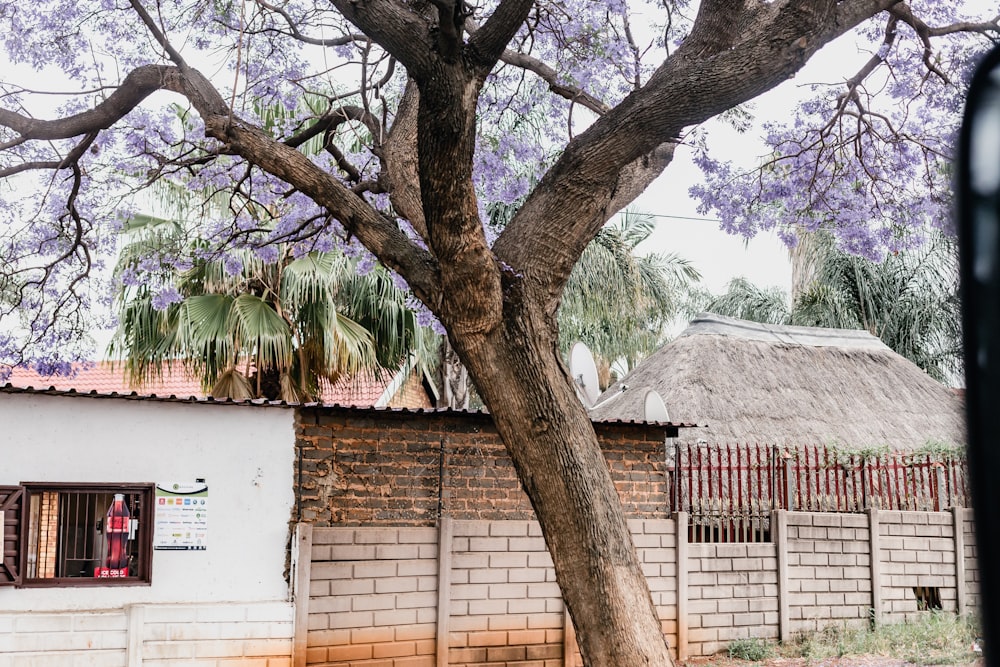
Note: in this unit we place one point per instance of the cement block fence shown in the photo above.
(227, 634)
(480, 592)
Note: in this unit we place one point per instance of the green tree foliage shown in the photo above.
(618, 302)
(251, 327)
(909, 299)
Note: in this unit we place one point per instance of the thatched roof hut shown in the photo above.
(785, 385)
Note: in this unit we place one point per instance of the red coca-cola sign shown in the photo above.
(110, 572)
(116, 534)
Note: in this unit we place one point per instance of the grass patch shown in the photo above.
(936, 638)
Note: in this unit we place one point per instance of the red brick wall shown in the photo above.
(367, 468)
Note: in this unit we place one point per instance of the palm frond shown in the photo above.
(261, 332)
(747, 301)
(231, 383)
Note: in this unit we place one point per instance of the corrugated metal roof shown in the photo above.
(260, 402)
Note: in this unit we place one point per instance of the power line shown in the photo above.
(681, 217)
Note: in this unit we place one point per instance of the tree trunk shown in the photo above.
(556, 453)
(454, 379)
(803, 263)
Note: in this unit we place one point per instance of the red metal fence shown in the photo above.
(729, 491)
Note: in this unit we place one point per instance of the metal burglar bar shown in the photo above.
(729, 491)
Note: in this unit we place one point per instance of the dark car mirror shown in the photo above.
(978, 213)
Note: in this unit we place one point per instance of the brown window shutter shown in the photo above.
(12, 515)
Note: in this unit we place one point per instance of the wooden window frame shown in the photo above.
(144, 536)
(12, 517)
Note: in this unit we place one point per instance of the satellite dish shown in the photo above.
(654, 410)
(584, 372)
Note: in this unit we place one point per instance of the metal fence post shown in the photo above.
(866, 484)
(789, 484)
(941, 497)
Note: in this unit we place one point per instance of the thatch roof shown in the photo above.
(788, 385)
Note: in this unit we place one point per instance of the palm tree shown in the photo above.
(747, 301)
(618, 302)
(909, 300)
(253, 328)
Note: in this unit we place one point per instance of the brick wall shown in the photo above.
(393, 468)
(374, 599)
(44, 549)
(733, 594)
(916, 549)
(95, 639)
(829, 573)
(656, 545)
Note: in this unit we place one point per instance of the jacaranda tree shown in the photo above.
(433, 110)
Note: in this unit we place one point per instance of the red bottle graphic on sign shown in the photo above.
(116, 529)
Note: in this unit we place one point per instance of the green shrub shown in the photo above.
(749, 649)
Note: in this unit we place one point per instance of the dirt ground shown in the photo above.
(847, 661)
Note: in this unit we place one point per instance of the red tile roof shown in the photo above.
(105, 377)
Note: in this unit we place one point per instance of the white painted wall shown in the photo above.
(245, 453)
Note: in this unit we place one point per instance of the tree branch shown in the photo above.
(451, 16)
(582, 190)
(904, 13)
(161, 39)
(399, 154)
(139, 84)
(550, 77)
(405, 34)
(544, 72)
(331, 120)
(295, 33)
(488, 43)
(70, 160)
(378, 233)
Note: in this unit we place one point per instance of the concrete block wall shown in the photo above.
(732, 594)
(967, 531)
(915, 549)
(656, 545)
(86, 638)
(216, 635)
(505, 608)
(372, 597)
(154, 635)
(829, 570)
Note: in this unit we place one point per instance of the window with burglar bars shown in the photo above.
(729, 491)
(76, 534)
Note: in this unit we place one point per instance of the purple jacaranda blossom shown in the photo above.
(168, 295)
